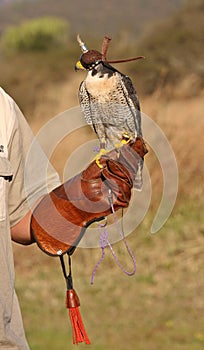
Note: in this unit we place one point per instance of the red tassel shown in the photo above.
(78, 331)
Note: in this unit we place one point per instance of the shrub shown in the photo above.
(36, 35)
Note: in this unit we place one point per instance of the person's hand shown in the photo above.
(61, 218)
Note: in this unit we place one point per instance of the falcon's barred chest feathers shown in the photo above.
(109, 102)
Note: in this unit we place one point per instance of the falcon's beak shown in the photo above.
(78, 66)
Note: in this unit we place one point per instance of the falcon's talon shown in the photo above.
(98, 156)
(124, 141)
(98, 163)
(126, 138)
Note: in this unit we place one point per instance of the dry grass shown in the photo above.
(159, 308)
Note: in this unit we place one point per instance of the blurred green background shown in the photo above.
(162, 306)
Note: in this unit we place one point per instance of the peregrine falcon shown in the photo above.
(109, 102)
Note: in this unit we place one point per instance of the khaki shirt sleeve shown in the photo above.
(33, 175)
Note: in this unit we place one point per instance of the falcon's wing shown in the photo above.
(132, 100)
(130, 95)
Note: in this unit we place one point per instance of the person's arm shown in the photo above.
(21, 233)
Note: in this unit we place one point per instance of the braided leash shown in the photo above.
(104, 242)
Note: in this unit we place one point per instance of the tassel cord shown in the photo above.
(79, 334)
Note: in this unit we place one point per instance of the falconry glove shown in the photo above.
(60, 220)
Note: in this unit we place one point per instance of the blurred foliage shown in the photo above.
(34, 35)
(174, 51)
(96, 17)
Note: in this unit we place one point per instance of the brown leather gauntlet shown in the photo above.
(61, 218)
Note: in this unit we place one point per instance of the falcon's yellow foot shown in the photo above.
(126, 138)
(98, 156)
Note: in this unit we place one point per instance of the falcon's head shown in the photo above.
(89, 60)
